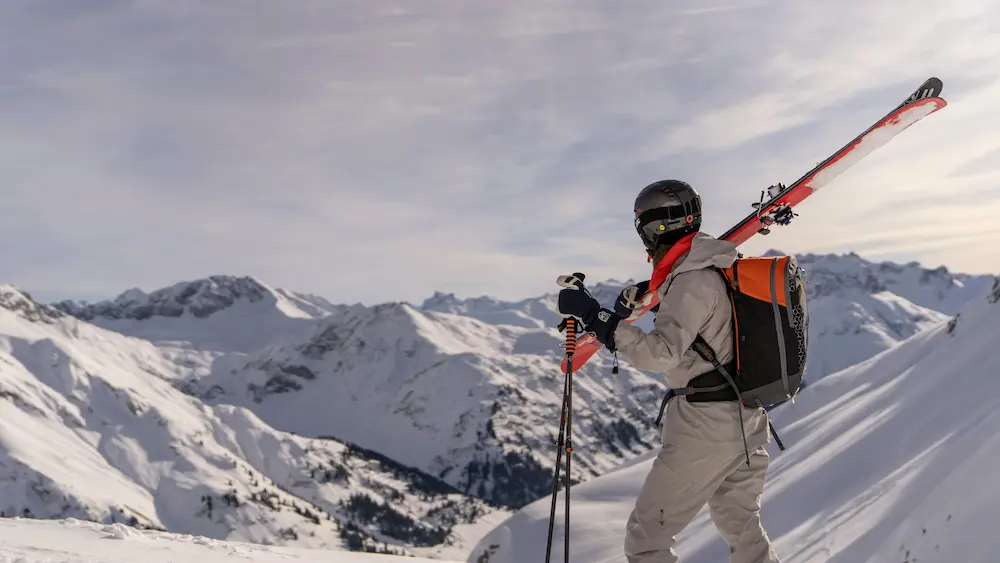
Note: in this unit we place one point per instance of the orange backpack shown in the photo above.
(770, 330)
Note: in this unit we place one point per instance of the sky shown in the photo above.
(379, 151)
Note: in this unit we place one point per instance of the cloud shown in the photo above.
(381, 151)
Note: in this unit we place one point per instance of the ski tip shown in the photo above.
(931, 88)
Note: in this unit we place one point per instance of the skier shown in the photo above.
(712, 448)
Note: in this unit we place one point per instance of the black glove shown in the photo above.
(630, 299)
(576, 301)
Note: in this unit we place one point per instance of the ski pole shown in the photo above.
(570, 350)
(570, 330)
(565, 433)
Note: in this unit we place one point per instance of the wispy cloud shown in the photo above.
(376, 151)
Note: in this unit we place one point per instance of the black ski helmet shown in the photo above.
(665, 212)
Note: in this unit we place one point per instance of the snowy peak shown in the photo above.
(448, 302)
(388, 337)
(21, 303)
(214, 314)
(535, 312)
(386, 325)
(199, 298)
(314, 305)
(935, 288)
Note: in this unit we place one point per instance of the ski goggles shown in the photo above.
(675, 220)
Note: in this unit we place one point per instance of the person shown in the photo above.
(713, 451)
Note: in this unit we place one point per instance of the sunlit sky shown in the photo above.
(376, 151)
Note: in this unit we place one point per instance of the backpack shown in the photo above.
(770, 338)
(770, 330)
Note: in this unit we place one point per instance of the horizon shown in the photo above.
(375, 153)
(41, 297)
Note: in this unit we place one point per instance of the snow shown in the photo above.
(893, 459)
(216, 314)
(454, 396)
(859, 308)
(75, 541)
(466, 388)
(426, 410)
(82, 405)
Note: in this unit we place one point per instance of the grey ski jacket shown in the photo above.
(693, 300)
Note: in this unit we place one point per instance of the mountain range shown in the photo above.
(227, 408)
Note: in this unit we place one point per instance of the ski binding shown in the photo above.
(780, 214)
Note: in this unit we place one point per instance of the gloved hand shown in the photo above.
(630, 299)
(576, 301)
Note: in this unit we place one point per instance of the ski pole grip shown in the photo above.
(574, 280)
(570, 336)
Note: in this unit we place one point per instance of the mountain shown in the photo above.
(473, 403)
(890, 460)
(216, 314)
(937, 288)
(73, 541)
(536, 312)
(857, 307)
(95, 428)
(464, 391)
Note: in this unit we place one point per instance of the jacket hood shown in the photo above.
(706, 252)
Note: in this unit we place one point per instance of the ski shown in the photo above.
(777, 208)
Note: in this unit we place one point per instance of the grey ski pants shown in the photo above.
(680, 483)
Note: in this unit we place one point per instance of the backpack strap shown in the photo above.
(708, 354)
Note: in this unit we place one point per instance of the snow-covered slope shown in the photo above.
(891, 460)
(216, 314)
(475, 403)
(310, 304)
(74, 541)
(94, 428)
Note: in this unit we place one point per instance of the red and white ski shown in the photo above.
(778, 209)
